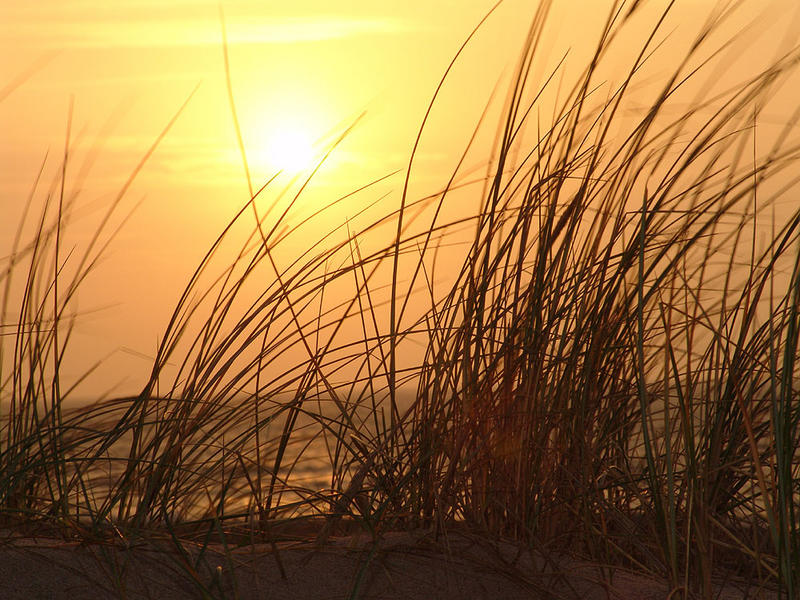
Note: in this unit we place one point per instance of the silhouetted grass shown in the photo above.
(610, 372)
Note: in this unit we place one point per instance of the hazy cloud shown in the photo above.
(143, 32)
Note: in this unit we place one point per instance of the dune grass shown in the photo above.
(610, 372)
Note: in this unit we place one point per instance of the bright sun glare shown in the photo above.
(289, 148)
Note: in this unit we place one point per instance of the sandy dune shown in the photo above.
(398, 566)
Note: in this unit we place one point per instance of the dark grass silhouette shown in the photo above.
(611, 374)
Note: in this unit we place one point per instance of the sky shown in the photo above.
(301, 73)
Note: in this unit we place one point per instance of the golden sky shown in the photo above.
(301, 72)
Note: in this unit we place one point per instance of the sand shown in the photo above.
(399, 565)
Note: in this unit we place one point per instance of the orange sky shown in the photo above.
(305, 67)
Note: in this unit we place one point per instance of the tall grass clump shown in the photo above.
(615, 364)
(48, 447)
(610, 370)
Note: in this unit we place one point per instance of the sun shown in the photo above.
(288, 147)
